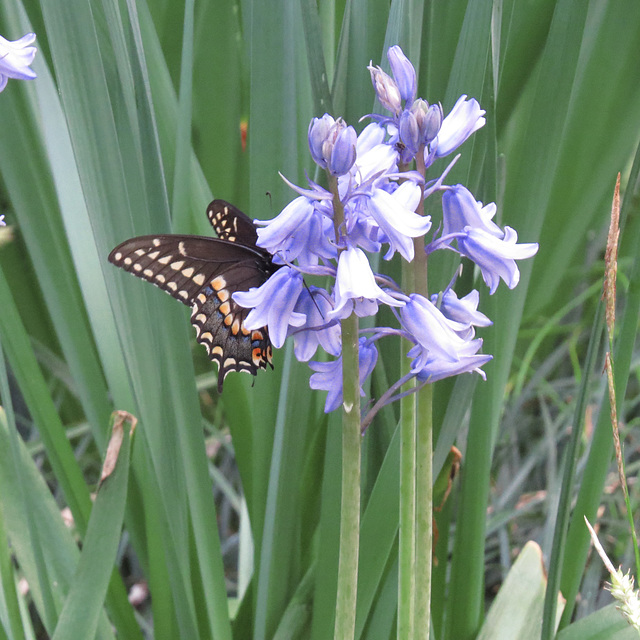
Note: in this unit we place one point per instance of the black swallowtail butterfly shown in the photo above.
(203, 273)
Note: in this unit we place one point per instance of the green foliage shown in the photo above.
(121, 135)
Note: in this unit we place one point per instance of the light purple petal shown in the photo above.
(355, 280)
(496, 257)
(315, 305)
(465, 118)
(395, 213)
(460, 209)
(343, 153)
(272, 304)
(403, 72)
(435, 369)
(372, 135)
(328, 376)
(433, 332)
(319, 129)
(15, 58)
(463, 310)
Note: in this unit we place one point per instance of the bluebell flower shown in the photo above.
(328, 376)
(460, 209)
(301, 231)
(434, 369)
(433, 333)
(462, 310)
(378, 202)
(356, 288)
(375, 161)
(404, 73)
(272, 304)
(395, 214)
(495, 256)
(332, 144)
(371, 136)
(315, 305)
(465, 118)
(15, 58)
(442, 347)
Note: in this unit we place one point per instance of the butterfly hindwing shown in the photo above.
(203, 273)
(219, 324)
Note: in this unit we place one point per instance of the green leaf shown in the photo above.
(83, 605)
(516, 611)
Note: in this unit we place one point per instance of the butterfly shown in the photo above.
(203, 273)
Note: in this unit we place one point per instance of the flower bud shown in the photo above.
(403, 72)
(432, 123)
(343, 148)
(386, 89)
(319, 129)
(409, 131)
(332, 144)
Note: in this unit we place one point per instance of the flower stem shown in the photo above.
(351, 440)
(424, 461)
(407, 532)
(424, 511)
(407, 577)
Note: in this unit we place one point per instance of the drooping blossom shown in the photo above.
(15, 58)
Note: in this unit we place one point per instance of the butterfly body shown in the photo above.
(203, 273)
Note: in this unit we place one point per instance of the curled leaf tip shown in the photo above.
(115, 442)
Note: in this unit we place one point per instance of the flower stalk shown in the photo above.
(407, 526)
(374, 204)
(351, 443)
(424, 458)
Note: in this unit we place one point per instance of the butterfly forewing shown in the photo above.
(231, 224)
(203, 273)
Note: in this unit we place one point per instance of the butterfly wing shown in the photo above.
(203, 273)
(231, 224)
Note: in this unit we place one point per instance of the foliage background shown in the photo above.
(134, 122)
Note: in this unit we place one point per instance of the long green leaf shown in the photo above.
(83, 605)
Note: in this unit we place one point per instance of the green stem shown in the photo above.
(424, 512)
(407, 531)
(351, 441)
(424, 460)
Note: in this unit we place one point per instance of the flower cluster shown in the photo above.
(15, 58)
(372, 206)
